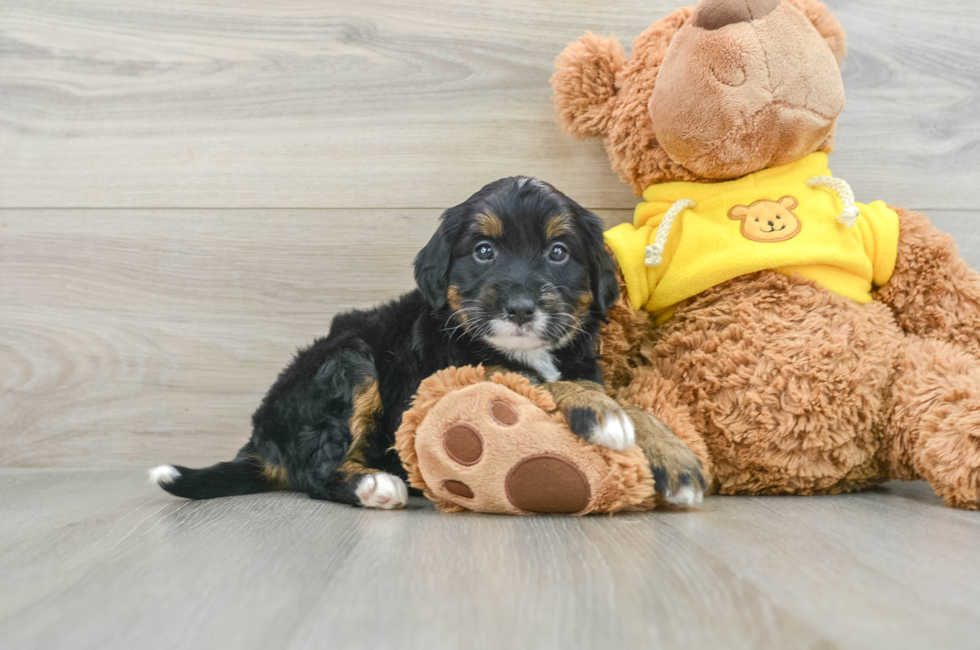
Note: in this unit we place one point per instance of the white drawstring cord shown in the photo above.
(849, 215)
(655, 251)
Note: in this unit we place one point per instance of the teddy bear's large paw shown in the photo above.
(505, 446)
(541, 483)
(677, 472)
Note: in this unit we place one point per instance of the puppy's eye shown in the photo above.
(558, 253)
(483, 252)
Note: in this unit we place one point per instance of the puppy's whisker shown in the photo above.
(464, 319)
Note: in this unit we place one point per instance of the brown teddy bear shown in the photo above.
(803, 370)
(796, 341)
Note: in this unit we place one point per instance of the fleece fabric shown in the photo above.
(768, 220)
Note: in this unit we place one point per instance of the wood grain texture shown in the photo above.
(366, 103)
(129, 338)
(99, 559)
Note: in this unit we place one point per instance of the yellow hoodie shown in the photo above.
(772, 219)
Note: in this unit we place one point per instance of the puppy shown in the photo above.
(516, 277)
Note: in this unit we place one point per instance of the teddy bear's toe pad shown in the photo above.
(547, 483)
(463, 444)
(503, 413)
(458, 488)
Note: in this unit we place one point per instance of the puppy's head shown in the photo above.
(519, 265)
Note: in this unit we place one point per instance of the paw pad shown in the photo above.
(464, 445)
(503, 413)
(458, 488)
(547, 483)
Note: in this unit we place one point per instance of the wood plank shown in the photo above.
(365, 103)
(100, 559)
(129, 338)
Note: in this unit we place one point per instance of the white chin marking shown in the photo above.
(616, 433)
(686, 496)
(506, 336)
(382, 491)
(524, 345)
(164, 474)
(507, 343)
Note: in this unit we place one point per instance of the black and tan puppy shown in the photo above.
(516, 277)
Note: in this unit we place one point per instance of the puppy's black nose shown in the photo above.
(520, 310)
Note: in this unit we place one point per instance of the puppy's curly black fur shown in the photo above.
(516, 276)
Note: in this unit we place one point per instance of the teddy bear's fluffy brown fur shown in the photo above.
(778, 384)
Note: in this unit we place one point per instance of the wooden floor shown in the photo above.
(99, 559)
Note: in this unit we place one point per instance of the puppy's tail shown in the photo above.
(244, 475)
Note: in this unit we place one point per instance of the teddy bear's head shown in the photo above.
(709, 93)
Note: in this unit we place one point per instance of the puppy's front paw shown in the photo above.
(382, 490)
(608, 426)
(678, 476)
(685, 490)
(677, 472)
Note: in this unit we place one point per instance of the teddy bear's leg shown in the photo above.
(503, 446)
(933, 291)
(934, 431)
(677, 472)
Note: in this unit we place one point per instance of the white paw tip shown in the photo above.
(686, 496)
(616, 433)
(382, 491)
(164, 474)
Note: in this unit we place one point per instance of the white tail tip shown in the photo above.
(164, 474)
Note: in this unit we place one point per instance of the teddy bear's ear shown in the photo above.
(585, 84)
(739, 212)
(828, 26)
(788, 202)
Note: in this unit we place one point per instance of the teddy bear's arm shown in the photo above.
(933, 292)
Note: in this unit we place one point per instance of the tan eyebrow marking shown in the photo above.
(558, 225)
(489, 224)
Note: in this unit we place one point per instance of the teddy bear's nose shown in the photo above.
(715, 14)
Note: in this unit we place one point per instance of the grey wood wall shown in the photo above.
(189, 190)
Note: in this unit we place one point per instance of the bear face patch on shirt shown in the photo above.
(768, 221)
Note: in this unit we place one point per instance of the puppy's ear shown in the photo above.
(432, 262)
(602, 269)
